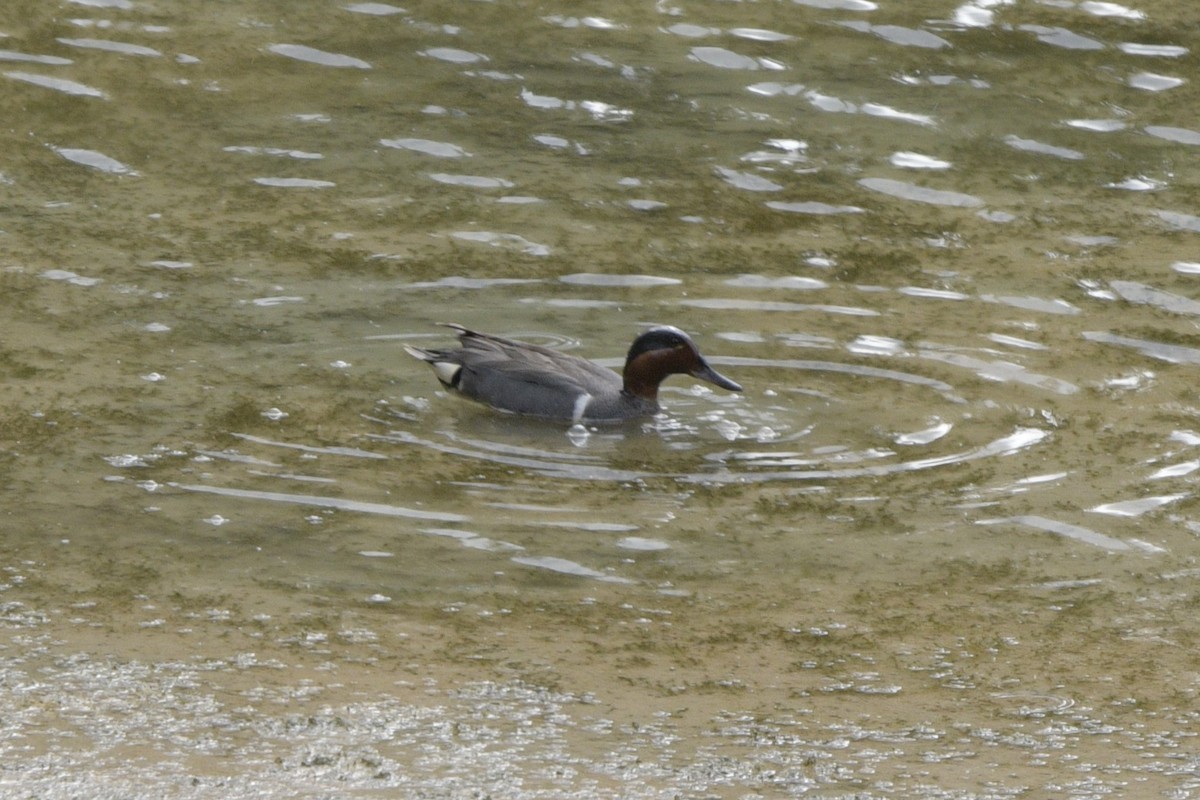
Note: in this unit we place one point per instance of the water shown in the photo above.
(943, 545)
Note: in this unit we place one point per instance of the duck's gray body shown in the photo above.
(536, 381)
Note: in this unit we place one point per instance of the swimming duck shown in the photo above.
(535, 381)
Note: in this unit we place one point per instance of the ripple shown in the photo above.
(727, 59)
(813, 207)
(94, 160)
(567, 567)
(322, 502)
(1034, 146)
(12, 55)
(747, 180)
(1150, 82)
(537, 508)
(691, 31)
(1019, 440)
(1176, 219)
(975, 14)
(1093, 241)
(550, 464)
(463, 282)
(600, 111)
(544, 101)
(1159, 50)
(453, 55)
(550, 140)
(1037, 706)
(606, 112)
(595, 23)
(495, 75)
(508, 241)
(57, 84)
(1138, 507)
(1098, 125)
(1186, 438)
(1172, 353)
(590, 527)
(642, 544)
(1001, 371)
(70, 277)
(897, 34)
(924, 436)
(1175, 470)
(112, 47)
(376, 9)
(1064, 529)
(787, 151)
(1013, 341)
(273, 151)
(347, 452)
(1104, 9)
(605, 279)
(839, 5)
(888, 112)
(473, 540)
(717, 303)
(232, 456)
(941, 80)
(311, 55)
(1138, 184)
(773, 88)
(909, 160)
(1142, 294)
(945, 390)
(1061, 37)
(595, 59)
(1181, 135)
(936, 294)
(294, 183)
(276, 300)
(875, 345)
(910, 191)
(471, 181)
(427, 146)
(760, 35)
(787, 282)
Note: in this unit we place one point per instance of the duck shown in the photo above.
(533, 381)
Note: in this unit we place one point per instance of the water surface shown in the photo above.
(943, 545)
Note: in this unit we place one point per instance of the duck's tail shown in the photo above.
(419, 354)
(445, 366)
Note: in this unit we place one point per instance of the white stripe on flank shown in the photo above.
(581, 404)
(445, 371)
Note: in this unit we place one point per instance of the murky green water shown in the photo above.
(944, 545)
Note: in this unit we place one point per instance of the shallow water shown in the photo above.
(944, 544)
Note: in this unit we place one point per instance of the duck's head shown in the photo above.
(664, 351)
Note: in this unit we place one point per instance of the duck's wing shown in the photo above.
(545, 363)
(528, 379)
(531, 389)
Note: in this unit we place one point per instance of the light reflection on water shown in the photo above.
(948, 251)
